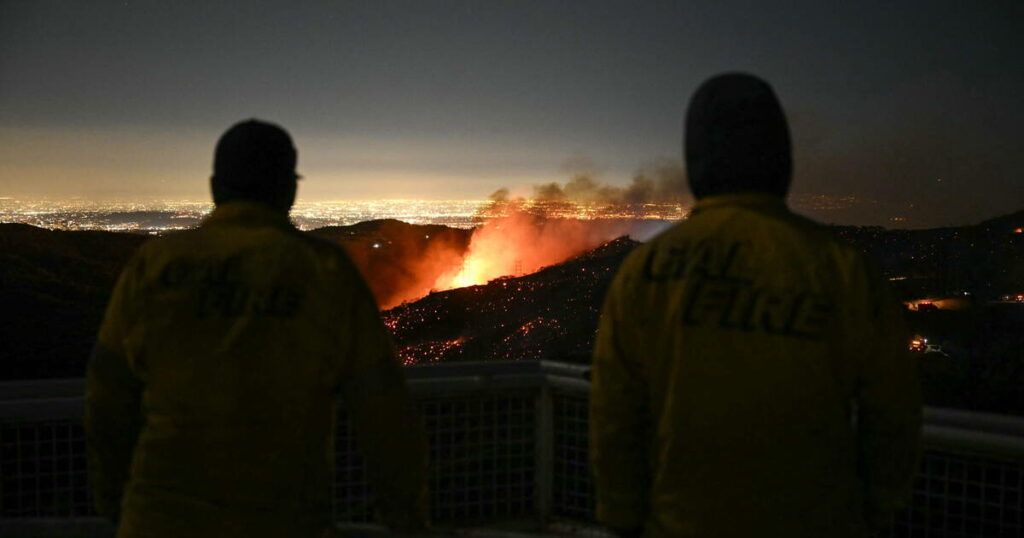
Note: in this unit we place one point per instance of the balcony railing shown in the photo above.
(508, 446)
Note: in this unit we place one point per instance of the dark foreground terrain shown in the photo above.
(54, 286)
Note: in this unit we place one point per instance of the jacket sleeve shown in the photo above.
(386, 424)
(619, 420)
(888, 403)
(112, 404)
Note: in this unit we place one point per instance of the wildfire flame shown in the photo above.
(522, 243)
(515, 239)
(495, 250)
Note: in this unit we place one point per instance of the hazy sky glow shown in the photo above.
(425, 99)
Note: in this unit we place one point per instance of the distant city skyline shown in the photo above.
(911, 111)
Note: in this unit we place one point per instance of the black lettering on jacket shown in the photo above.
(719, 291)
(221, 289)
(740, 305)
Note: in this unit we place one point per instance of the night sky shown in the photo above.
(915, 109)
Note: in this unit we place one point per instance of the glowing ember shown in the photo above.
(431, 350)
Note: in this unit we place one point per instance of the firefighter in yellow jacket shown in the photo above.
(750, 374)
(210, 395)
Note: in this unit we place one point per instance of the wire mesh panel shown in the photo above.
(573, 493)
(954, 496)
(43, 470)
(958, 496)
(512, 450)
(482, 454)
(352, 500)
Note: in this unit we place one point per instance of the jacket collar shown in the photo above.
(247, 213)
(753, 200)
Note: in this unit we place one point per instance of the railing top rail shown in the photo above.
(34, 389)
(496, 368)
(427, 377)
(951, 428)
(975, 420)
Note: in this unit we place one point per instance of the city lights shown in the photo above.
(157, 216)
(169, 215)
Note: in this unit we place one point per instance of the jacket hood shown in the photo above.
(737, 139)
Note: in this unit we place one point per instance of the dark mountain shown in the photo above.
(54, 285)
(986, 259)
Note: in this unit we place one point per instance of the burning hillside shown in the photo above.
(521, 243)
(551, 314)
(405, 262)
(517, 236)
(401, 262)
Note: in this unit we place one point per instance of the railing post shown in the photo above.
(544, 460)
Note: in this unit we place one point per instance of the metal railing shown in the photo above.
(508, 447)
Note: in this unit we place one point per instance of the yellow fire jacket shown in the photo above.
(210, 397)
(751, 378)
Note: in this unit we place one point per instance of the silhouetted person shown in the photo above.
(210, 399)
(735, 350)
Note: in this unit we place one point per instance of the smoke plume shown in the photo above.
(520, 236)
(663, 181)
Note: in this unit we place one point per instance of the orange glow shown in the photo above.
(515, 239)
(1018, 230)
(947, 303)
(520, 244)
(918, 343)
